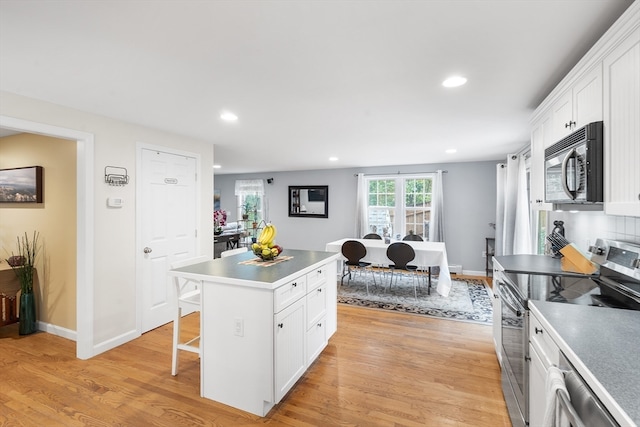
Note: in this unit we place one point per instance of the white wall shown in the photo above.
(114, 232)
(583, 228)
(470, 204)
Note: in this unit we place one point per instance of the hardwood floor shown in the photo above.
(379, 369)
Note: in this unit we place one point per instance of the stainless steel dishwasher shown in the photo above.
(579, 404)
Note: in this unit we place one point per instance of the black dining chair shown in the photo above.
(373, 236)
(416, 238)
(412, 237)
(401, 254)
(354, 251)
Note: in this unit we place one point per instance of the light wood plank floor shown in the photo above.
(380, 369)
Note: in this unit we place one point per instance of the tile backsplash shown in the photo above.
(583, 228)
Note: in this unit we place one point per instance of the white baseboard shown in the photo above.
(474, 273)
(115, 342)
(455, 268)
(57, 330)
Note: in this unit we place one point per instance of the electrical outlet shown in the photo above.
(238, 328)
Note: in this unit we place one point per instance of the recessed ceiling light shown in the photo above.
(454, 81)
(333, 159)
(228, 116)
(217, 166)
(451, 151)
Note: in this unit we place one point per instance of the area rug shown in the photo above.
(468, 301)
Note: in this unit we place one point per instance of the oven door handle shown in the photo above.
(509, 301)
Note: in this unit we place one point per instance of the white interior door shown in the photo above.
(168, 221)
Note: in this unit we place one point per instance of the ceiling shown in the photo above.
(358, 80)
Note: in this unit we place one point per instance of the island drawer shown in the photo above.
(316, 277)
(289, 293)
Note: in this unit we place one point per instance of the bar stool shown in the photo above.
(230, 252)
(188, 299)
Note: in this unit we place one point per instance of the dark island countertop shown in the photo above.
(230, 270)
(603, 345)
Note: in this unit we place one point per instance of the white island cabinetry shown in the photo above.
(262, 326)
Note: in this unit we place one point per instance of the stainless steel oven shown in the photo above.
(616, 285)
(515, 323)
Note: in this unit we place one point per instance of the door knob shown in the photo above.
(147, 250)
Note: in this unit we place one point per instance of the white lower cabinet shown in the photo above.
(290, 357)
(543, 353)
(537, 388)
(259, 342)
(316, 339)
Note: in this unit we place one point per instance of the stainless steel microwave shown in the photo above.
(573, 167)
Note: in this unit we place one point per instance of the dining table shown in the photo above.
(428, 254)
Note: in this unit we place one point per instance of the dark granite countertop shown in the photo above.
(534, 264)
(229, 270)
(603, 344)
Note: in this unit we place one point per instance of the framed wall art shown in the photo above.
(21, 185)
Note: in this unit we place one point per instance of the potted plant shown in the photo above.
(246, 208)
(23, 264)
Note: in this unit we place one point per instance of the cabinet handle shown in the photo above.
(319, 271)
(294, 284)
(538, 331)
(280, 325)
(319, 289)
(570, 124)
(527, 359)
(319, 325)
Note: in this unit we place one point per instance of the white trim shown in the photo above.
(116, 341)
(57, 330)
(139, 243)
(84, 225)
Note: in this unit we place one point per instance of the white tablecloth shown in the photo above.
(428, 254)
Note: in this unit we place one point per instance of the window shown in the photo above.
(250, 193)
(251, 205)
(402, 204)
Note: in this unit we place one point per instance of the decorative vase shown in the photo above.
(27, 313)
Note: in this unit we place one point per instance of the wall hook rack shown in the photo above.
(116, 176)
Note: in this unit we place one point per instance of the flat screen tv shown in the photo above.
(316, 195)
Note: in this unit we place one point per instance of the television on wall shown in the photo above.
(21, 185)
(316, 195)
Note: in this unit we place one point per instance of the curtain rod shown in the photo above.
(399, 173)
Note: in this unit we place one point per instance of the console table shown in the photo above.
(9, 287)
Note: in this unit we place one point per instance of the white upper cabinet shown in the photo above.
(622, 127)
(579, 105)
(604, 85)
(540, 137)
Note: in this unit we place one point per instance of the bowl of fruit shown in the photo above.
(264, 247)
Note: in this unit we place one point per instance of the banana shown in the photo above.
(267, 235)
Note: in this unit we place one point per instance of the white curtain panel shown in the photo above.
(522, 226)
(361, 207)
(510, 203)
(501, 182)
(436, 224)
(245, 187)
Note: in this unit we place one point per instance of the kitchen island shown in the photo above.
(262, 324)
(603, 345)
